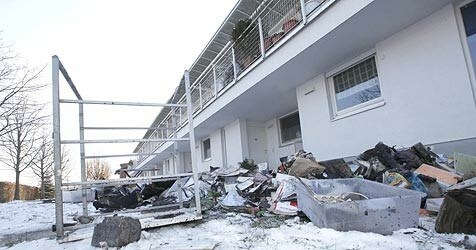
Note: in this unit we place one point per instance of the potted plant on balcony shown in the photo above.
(246, 48)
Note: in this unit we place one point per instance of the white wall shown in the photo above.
(275, 150)
(216, 150)
(236, 140)
(425, 86)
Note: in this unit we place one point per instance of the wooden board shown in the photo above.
(441, 176)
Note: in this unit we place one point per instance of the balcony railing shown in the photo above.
(267, 28)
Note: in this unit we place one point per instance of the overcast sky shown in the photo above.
(113, 50)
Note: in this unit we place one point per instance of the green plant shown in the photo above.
(240, 28)
(248, 164)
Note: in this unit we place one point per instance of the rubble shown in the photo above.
(387, 181)
(442, 176)
(116, 231)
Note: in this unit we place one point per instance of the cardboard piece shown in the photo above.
(441, 176)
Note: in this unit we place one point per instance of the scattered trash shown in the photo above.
(442, 176)
(83, 219)
(464, 163)
(233, 199)
(434, 205)
(468, 184)
(376, 192)
(306, 168)
(336, 169)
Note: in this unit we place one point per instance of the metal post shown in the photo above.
(235, 73)
(83, 160)
(303, 12)
(192, 145)
(261, 37)
(200, 95)
(180, 193)
(215, 81)
(174, 124)
(57, 149)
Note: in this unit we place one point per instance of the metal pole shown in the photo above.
(303, 12)
(82, 159)
(235, 74)
(174, 123)
(192, 145)
(121, 140)
(122, 103)
(215, 81)
(57, 149)
(200, 94)
(261, 37)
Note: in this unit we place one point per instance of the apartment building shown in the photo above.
(332, 77)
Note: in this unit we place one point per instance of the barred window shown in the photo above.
(356, 85)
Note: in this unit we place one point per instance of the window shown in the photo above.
(355, 86)
(468, 12)
(290, 128)
(206, 149)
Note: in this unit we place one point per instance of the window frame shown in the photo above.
(464, 43)
(204, 159)
(368, 105)
(290, 142)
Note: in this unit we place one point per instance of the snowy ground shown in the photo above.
(231, 231)
(29, 216)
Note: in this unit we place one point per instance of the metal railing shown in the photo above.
(159, 135)
(267, 28)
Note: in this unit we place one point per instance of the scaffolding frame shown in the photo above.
(150, 221)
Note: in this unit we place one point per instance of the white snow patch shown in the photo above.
(232, 232)
(29, 216)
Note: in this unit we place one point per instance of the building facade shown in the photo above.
(332, 77)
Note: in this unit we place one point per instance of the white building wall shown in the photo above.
(216, 149)
(236, 140)
(425, 86)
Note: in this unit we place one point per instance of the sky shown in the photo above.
(114, 50)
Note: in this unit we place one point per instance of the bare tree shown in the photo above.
(97, 170)
(20, 142)
(65, 164)
(15, 80)
(43, 165)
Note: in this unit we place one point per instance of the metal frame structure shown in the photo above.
(148, 219)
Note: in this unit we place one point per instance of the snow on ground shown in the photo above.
(239, 231)
(30, 216)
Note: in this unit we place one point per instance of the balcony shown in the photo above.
(275, 20)
(272, 22)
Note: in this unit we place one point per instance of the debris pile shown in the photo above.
(260, 190)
